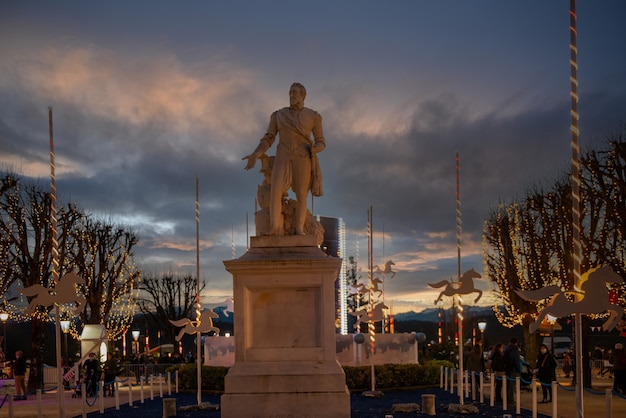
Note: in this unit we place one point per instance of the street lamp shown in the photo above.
(482, 325)
(4, 316)
(135, 334)
(65, 327)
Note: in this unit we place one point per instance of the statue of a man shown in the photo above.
(295, 164)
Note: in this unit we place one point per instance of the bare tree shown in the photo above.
(26, 238)
(529, 243)
(169, 297)
(103, 257)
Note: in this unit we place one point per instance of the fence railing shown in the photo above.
(150, 369)
(130, 370)
(474, 385)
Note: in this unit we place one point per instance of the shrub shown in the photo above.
(212, 378)
(388, 376)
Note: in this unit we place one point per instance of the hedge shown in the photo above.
(388, 376)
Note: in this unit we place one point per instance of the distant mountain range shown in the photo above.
(432, 314)
(427, 315)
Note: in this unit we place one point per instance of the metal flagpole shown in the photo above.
(198, 313)
(55, 268)
(576, 226)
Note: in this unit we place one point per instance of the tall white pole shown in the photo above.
(370, 324)
(576, 226)
(198, 308)
(458, 246)
(55, 267)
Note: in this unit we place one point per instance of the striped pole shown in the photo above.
(55, 266)
(576, 226)
(198, 313)
(458, 246)
(370, 324)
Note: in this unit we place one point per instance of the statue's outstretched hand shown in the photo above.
(251, 161)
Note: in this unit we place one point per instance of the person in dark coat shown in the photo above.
(513, 367)
(19, 373)
(619, 369)
(476, 364)
(546, 372)
(497, 365)
(91, 366)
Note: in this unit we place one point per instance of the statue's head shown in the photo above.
(299, 87)
(297, 93)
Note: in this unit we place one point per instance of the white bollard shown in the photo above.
(39, 405)
(176, 381)
(459, 385)
(608, 407)
(505, 393)
(169, 383)
(160, 385)
(452, 380)
(554, 400)
(533, 386)
(83, 392)
(473, 378)
(130, 393)
(151, 387)
(101, 393)
(492, 389)
(117, 395)
(518, 397)
(480, 388)
(445, 377)
(466, 383)
(141, 390)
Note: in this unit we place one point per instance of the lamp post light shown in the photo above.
(65, 327)
(135, 334)
(4, 317)
(482, 325)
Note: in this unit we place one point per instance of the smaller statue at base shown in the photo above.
(287, 223)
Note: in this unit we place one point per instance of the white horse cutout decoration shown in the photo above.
(63, 292)
(363, 315)
(204, 325)
(465, 286)
(595, 298)
(230, 306)
(387, 269)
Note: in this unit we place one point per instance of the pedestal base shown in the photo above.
(296, 405)
(285, 389)
(285, 360)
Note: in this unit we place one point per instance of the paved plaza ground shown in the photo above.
(361, 406)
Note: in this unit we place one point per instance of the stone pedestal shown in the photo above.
(285, 361)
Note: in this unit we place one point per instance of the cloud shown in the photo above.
(140, 112)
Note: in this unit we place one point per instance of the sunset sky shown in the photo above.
(149, 95)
